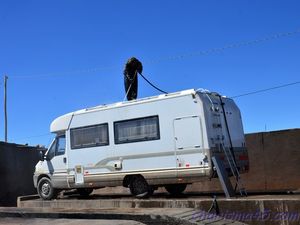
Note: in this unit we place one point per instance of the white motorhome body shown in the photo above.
(165, 140)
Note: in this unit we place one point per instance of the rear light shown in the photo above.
(243, 157)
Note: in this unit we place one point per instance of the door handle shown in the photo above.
(65, 160)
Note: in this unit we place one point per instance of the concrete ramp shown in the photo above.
(254, 209)
(149, 216)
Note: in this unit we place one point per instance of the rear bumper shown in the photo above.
(241, 159)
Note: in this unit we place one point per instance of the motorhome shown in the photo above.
(162, 141)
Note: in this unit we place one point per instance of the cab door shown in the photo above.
(57, 161)
(57, 155)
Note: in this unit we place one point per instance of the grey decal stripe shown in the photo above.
(149, 155)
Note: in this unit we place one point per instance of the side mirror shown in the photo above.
(42, 155)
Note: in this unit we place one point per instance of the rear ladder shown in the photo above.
(234, 170)
(228, 153)
(230, 157)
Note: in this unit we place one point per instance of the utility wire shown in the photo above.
(176, 57)
(66, 73)
(205, 52)
(32, 137)
(265, 90)
(230, 46)
(236, 96)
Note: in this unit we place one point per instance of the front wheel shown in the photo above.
(175, 189)
(45, 189)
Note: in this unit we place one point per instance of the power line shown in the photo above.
(236, 96)
(175, 57)
(31, 137)
(265, 90)
(91, 70)
(231, 46)
(204, 52)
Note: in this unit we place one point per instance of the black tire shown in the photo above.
(45, 189)
(175, 189)
(85, 192)
(139, 187)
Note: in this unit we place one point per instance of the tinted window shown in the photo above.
(90, 136)
(141, 129)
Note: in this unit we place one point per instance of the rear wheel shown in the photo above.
(85, 192)
(139, 187)
(175, 189)
(45, 189)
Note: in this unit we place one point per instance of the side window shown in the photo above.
(90, 136)
(141, 129)
(61, 145)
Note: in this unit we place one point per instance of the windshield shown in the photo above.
(57, 147)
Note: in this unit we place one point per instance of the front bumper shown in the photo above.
(35, 179)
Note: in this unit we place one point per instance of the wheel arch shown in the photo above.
(41, 176)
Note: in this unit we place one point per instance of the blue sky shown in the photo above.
(62, 56)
